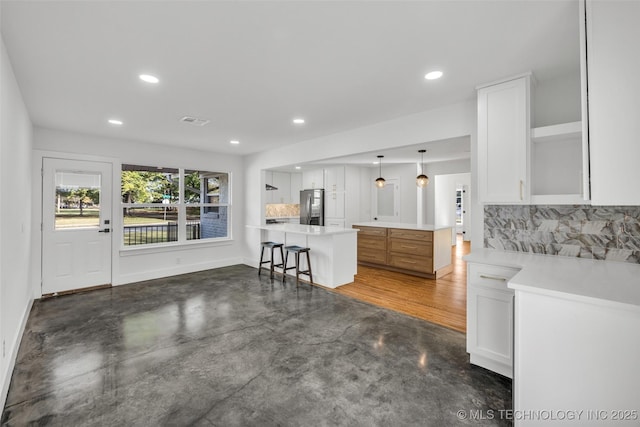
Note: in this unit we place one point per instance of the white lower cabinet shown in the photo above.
(332, 222)
(490, 317)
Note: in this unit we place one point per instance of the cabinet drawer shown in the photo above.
(492, 276)
(373, 242)
(371, 231)
(412, 247)
(411, 262)
(374, 256)
(425, 236)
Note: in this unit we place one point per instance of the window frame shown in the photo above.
(181, 207)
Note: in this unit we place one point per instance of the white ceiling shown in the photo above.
(251, 67)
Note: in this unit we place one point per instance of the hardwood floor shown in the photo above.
(442, 301)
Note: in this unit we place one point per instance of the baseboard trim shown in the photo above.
(8, 374)
(175, 271)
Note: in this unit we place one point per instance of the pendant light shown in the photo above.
(380, 181)
(422, 180)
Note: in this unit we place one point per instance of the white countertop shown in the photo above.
(587, 280)
(309, 230)
(402, 225)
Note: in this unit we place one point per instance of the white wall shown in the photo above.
(144, 263)
(432, 125)
(15, 213)
(557, 100)
(406, 176)
(365, 213)
(432, 170)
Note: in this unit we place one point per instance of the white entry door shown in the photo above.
(76, 224)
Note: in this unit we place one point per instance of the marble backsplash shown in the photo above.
(598, 232)
(278, 210)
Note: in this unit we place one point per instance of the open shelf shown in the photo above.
(557, 164)
(562, 131)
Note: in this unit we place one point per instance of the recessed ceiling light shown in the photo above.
(234, 142)
(375, 163)
(298, 121)
(433, 75)
(115, 122)
(149, 78)
(298, 167)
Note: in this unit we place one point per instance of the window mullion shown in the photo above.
(182, 211)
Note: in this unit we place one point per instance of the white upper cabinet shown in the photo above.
(296, 186)
(312, 179)
(334, 178)
(277, 187)
(268, 192)
(612, 34)
(503, 140)
(282, 181)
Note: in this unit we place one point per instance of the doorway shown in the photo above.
(76, 225)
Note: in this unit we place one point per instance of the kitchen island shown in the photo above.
(333, 249)
(420, 250)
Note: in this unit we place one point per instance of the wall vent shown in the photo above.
(194, 121)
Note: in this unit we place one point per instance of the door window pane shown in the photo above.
(77, 200)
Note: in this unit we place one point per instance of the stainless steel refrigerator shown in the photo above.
(312, 207)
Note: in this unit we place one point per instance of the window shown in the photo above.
(77, 200)
(206, 197)
(157, 209)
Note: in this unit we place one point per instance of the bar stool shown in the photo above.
(271, 246)
(297, 250)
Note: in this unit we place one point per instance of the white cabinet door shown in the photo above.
(334, 204)
(613, 84)
(282, 181)
(334, 178)
(490, 331)
(490, 317)
(296, 186)
(313, 179)
(334, 223)
(268, 194)
(503, 141)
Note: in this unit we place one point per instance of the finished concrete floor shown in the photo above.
(226, 348)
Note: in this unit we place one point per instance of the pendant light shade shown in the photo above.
(422, 180)
(380, 182)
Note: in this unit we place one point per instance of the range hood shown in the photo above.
(270, 187)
